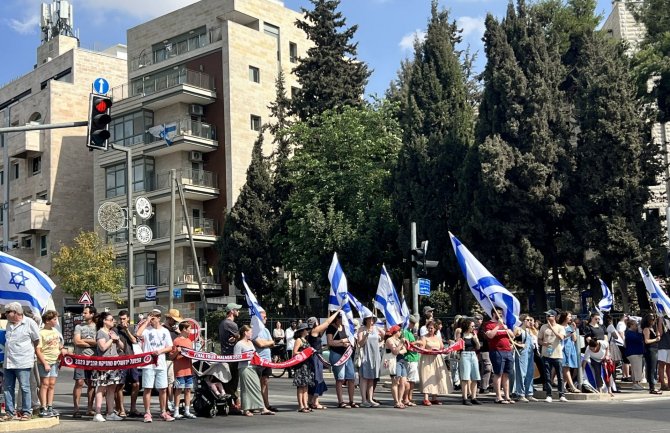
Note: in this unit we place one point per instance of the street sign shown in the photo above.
(424, 287)
(86, 299)
(195, 329)
(100, 86)
(150, 293)
(177, 293)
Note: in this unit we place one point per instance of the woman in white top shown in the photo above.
(278, 334)
(250, 384)
(596, 353)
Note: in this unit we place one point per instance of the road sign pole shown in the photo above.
(415, 282)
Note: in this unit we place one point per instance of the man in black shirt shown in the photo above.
(593, 331)
(228, 336)
(338, 344)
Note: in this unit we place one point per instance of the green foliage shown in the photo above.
(88, 266)
(246, 243)
(330, 76)
(338, 204)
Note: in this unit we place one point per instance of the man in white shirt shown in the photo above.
(290, 341)
(550, 338)
(155, 338)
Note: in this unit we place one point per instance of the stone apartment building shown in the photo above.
(200, 80)
(48, 173)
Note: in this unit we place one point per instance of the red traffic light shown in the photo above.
(101, 106)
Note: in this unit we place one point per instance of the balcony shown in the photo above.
(198, 185)
(162, 89)
(27, 144)
(32, 217)
(188, 276)
(202, 230)
(190, 135)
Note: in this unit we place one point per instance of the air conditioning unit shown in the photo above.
(197, 110)
(195, 156)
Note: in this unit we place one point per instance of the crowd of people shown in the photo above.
(492, 358)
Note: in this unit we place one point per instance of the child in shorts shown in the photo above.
(48, 351)
(183, 375)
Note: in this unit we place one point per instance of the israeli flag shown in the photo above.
(363, 311)
(607, 301)
(405, 314)
(339, 297)
(658, 296)
(164, 131)
(255, 309)
(485, 287)
(24, 283)
(387, 301)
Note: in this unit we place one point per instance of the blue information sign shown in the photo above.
(150, 293)
(177, 293)
(101, 86)
(424, 287)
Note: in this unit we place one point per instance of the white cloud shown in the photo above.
(145, 9)
(27, 26)
(472, 26)
(407, 41)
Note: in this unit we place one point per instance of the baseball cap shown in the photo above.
(414, 318)
(155, 312)
(428, 309)
(551, 313)
(233, 306)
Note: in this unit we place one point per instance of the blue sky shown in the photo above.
(386, 28)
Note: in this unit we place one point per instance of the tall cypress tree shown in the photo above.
(437, 121)
(330, 76)
(246, 243)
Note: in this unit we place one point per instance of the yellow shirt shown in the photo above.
(50, 343)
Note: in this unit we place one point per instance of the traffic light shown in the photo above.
(419, 262)
(98, 121)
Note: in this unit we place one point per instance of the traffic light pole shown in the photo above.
(415, 281)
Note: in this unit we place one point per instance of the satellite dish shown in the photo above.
(111, 216)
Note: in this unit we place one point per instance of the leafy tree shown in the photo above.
(246, 243)
(330, 76)
(437, 120)
(89, 266)
(338, 201)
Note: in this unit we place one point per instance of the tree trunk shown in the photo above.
(642, 299)
(623, 290)
(540, 297)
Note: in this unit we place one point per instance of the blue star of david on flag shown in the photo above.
(387, 301)
(339, 297)
(255, 310)
(24, 284)
(18, 279)
(658, 296)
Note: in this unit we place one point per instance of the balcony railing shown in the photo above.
(178, 49)
(149, 85)
(187, 275)
(188, 176)
(199, 227)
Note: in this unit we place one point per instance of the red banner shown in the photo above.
(108, 362)
(345, 357)
(459, 345)
(299, 358)
(213, 357)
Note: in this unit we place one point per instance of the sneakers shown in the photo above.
(523, 399)
(147, 417)
(366, 404)
(548, 399)
(475, 401)
(170, 407)
(467, 403)
(531, 398)
(178, 416)
(99, 418)
(165, 416)
(44, 413)
(53, 411)
(637, 386)
(563, 399)
(189, 415)
(114, 417)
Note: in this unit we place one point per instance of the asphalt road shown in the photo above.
(635, 415)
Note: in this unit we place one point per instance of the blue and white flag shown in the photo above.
(658, 296)
(363, 311)
(607, 301)
(485, 287)
(255, 309)
(405, 314)
(24, 283)
(339, 297)
(387, 301)
(164, 131)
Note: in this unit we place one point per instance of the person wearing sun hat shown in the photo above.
(172, 320)
(395, 348)
(369, 337)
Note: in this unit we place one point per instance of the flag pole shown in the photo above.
(493, 307)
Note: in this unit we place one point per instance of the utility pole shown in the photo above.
(415, 281)
(173, 187)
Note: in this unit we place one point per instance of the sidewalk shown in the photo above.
(35, 423)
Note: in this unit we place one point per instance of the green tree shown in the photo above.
(437, 121)
(246, 243)
(89, 266)
(338, 202)
(330, 76)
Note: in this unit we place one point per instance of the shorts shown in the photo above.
(344, 371)
(664, 355)
(133, 375)
(264, 371)
(53, 371)
(170, 372)
(153, 378)
(401, 368)
(468, 366)
(108, 377)
(184, 382)
(80, 374)
(502, 362)
(412, 371)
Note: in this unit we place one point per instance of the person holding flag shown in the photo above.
(314, 339)
(500, 352)
(339, 345)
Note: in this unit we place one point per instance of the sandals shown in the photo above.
(436, 402)
(23, 417)
(399, 406)
(248, 413)
(409, 403)
(304, 410)
(656, 392)
(427, 403)
(502, 402)
(354, 405)
(343, 405)
(267, 412)
(319, 407)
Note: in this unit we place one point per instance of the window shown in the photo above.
(117, 237)
(255, 123)
(180, 44)
(37, 165)
(43, 245)
(272, 30)
(27, 242)
(130, 129)
(254, 74)
(42, 195)
(15, 170)
(143, 174)
(115, 180)
(294, 92)
(293, 52)
(2, 177)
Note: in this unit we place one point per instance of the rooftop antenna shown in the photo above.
(56, 19)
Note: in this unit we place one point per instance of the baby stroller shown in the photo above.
(209, 399)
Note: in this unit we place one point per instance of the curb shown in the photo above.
(35, 423)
